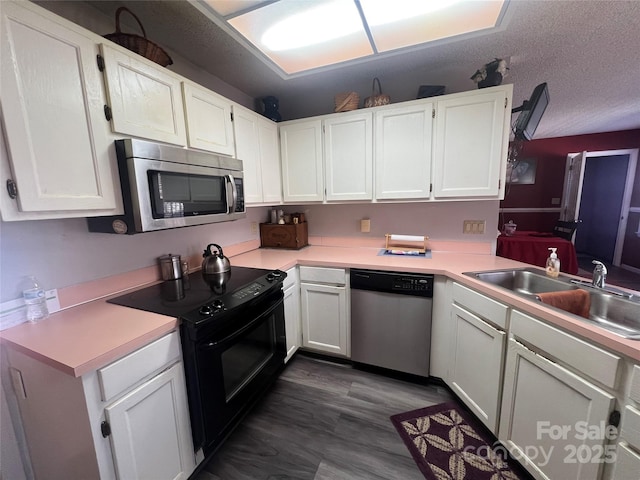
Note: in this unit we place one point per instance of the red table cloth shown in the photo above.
(533, 248)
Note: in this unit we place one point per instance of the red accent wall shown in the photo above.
(551, 154)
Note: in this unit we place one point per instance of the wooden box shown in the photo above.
(291, 235)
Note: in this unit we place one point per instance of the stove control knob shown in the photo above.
(217, 304)
(206, 310)
(276, 274)
(270, 277)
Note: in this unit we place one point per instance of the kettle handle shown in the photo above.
(208, 251)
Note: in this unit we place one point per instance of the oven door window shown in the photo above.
(186, 195)
(245, 358)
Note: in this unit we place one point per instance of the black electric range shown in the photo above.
(193, 300)
(233, 336)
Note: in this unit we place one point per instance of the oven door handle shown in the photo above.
(236, 334)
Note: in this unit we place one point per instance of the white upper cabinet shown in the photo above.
(208, 117)
(145, 98)
(471, 141)
(348, 156)
(301, 155)
(57, 145)
(270, 159)
(256, 140)
(403, 143)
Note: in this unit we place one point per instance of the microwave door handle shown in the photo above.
(234, 193)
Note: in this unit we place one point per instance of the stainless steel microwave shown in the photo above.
(170, 187)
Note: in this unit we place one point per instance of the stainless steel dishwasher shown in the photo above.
(391, 320)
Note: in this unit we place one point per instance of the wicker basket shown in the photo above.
(346, 101)
(375, 100)
(138, 44)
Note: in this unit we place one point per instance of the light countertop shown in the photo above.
(86, 337)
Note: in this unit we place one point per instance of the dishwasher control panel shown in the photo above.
(392, 282)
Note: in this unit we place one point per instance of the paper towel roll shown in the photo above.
(406, 238)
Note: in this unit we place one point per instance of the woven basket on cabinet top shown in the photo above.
(346, 101)
(138, 44)
(375, 100)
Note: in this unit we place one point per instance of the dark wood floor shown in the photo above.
(324, 421)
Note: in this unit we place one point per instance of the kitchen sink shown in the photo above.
(528, 282)
(612, 308)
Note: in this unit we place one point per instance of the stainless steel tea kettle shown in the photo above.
(214, 262)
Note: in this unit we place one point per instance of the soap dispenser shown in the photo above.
(553, 263)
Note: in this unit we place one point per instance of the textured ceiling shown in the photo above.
(587, 51)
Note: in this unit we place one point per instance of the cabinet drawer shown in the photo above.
(631, 427)
(627, 464)
(335, 276)
(292, 278)
(634, 393)
(126, 372)
(482, 306)
(589, 359)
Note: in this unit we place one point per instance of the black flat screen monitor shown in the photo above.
(531, 112)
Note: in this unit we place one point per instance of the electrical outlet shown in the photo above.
(365, 225)
(254, 228)
(555, 201)
(473, 226)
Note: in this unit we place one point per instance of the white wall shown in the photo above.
(63, 252)
(442, 220)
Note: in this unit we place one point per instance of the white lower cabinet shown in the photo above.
(292, 312)
(627, 461)
(476, 365)
(546, 410)
(477, 352)
(128, 420)
(325, 318)
(151, 436)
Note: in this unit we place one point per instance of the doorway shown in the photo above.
(597, 193)
(601, 206)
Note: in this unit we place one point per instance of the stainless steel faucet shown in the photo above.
(599, 274)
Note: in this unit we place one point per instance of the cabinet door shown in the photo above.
(324, 318)
(348, 155)
(270, 161)
(546, 408)
(627, 464)
(257, 146)
(470, 147)
(56, 132)
(245, 128)
(150, 429)
(403, 145)
(208, 118)
(292, 319)
(145, 100)
(301, 154)
(477, 377)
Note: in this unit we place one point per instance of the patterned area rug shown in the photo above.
(445, 443)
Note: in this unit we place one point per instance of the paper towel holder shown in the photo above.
(407, 243)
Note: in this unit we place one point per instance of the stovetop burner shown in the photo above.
(194, 300)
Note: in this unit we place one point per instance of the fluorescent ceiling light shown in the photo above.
(312, 26)
(381, 12)
(302, 35)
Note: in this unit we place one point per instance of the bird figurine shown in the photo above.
(491, 74)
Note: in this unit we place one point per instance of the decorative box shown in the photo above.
(292, 235)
